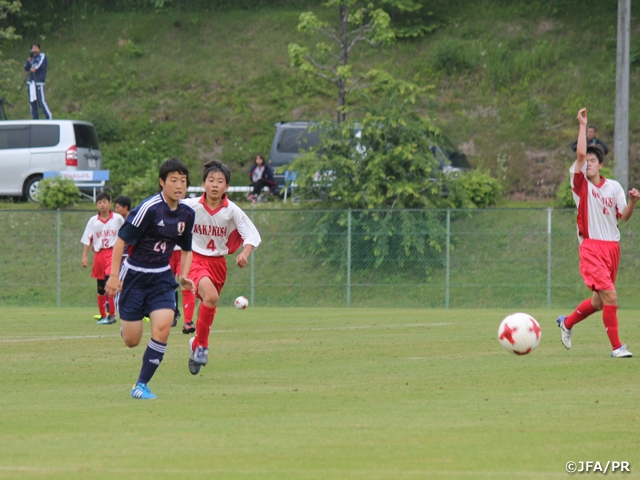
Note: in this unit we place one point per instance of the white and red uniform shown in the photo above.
(102, 234)
(217, 233)
(599, 208)
(175, 262)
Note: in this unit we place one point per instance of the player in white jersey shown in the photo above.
(600, 202)
(101, 232)
(219, 229)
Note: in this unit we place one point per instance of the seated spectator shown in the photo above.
(261, 175)
(592, 140)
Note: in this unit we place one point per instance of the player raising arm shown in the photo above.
(220, 228)
(146, 285)
(600, 202)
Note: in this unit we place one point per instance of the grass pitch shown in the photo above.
(316, 394)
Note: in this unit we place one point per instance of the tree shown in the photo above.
(7, 33)
(358, 22)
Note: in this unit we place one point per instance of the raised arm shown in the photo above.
(581, 148)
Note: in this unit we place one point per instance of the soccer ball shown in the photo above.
(519, 333)
(241, 302)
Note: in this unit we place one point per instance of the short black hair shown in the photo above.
(173, 165)
(216, 166)
(597, 150)
(35, 45)
(124, 201)
(103, 196)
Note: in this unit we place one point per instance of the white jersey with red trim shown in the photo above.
(221, 231)
(102, 233)
(599, 206)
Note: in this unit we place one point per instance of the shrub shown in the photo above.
(57, 192)
(453, 56)
(474, 188)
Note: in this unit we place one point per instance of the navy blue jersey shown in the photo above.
(153, 229)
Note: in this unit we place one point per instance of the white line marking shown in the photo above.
(249, 330)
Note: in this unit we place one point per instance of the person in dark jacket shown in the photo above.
(592, 140)
(261, 175)
(36, 65)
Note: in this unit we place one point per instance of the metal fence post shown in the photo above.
(58, 259)
(252, 269)
(549, 211)
(448, 259)
(349, 258)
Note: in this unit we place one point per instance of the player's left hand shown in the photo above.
(242, 260)
(187, 284)
(634, 195)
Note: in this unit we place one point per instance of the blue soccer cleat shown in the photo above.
(142, 392)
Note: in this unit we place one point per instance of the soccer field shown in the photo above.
(316, 394)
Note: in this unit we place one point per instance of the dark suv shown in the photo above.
(293, 138)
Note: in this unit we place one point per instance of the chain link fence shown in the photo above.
(494, 258)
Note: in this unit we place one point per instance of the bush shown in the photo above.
(473, 189)
(453, 57)
(57, 192)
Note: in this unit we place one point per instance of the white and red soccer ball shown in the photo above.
(241, 302)
(519, 333)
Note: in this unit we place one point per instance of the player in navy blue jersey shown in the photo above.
(146, 285)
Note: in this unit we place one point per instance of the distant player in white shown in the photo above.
(101, 232)
(601, 202)
(220, 228)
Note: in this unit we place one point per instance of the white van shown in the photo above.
(28, 148)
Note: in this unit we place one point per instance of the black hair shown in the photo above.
(597, 150)
(35, 45)
(103, 196)
(170, 166)
(216, 166)
(124, 201)
(592, 126)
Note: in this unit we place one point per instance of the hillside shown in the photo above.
(201, 85)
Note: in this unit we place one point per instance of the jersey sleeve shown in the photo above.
(135, 224)
(621, 201)
(247, 230)
(87, 236)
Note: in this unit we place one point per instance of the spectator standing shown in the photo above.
(592, 139)
(36, 65)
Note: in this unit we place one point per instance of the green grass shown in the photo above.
(315, 394)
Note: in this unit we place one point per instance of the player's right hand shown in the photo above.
(582, 116)
(85, 261)
(113, 286)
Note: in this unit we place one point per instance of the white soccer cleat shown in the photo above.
(621, 352)
(565, 333)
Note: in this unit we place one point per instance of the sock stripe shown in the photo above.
(157, 346)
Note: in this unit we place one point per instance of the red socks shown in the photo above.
(203, 327)
(583, 311)
(610, 319)
(112, 306)
(102, 305)
(188, 305)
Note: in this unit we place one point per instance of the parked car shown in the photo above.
(291, 139)
(28, 148)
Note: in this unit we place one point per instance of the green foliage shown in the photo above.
(108, 125)
(453, 56)
(473, 189)
(57, 192)
(142, 186)
(564, 195)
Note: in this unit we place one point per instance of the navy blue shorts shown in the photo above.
(144, 291)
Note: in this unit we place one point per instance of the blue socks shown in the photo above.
(151, 360)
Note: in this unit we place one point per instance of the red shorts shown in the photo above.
(102, 264)
(599, 261)
(174, 262)
(213, 267)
